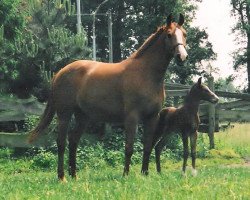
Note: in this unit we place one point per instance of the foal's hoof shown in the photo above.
(194, 172)
(184, 174)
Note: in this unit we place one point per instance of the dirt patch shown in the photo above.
(245, 164)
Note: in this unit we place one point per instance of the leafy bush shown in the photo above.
(5, 152)
(44, 159)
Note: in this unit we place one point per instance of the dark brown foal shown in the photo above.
(184, 120)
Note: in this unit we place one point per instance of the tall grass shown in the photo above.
(236, 138)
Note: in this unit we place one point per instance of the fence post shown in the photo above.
(211, 114)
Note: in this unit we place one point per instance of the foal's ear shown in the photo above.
(181, 20)
(169, 19)
(199, 81)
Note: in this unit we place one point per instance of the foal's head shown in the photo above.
(202, 92)
(176, 39)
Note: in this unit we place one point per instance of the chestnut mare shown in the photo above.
(128, 92)
(184, 120)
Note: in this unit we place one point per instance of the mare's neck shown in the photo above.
(155, 59)
(191, 103)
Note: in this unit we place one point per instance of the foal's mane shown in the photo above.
(149, 42)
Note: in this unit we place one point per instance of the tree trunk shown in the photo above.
(248, 62)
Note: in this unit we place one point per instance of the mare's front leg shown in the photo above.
(185, 151)
(130, 124)
(193, 143)
(149, 131)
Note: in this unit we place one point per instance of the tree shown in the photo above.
(42, 48)
(199, 49)
(11, 19)
(241, 9)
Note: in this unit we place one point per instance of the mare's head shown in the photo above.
(202, 92)
(176, 38)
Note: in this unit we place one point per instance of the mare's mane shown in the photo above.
(149, 42)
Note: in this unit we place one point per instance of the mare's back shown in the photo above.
(95, 87)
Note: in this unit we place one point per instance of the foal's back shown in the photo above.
(178, 119)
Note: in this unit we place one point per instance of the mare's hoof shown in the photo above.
(62, 180)
(125, 174)
(145, 173)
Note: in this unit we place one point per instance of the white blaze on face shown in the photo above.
(180, 49)
(213, 95)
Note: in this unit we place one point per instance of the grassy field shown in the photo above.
(223, 174)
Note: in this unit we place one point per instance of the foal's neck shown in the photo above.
(192, 103)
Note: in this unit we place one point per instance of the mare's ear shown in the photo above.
(169, 19)
(181, 20)
(199, 81)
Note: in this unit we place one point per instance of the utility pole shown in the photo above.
(94, 35)
(79, 23)
(110, 37)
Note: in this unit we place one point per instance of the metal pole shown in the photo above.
(110, 37)
(94, 35)
(79, 23)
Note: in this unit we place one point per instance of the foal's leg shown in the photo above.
(158, 149)
(193, 142)
(185, 151)
(63, 122)
(130, 124)
(74, 138)
(149, 131)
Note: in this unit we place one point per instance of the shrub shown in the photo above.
(44, 159)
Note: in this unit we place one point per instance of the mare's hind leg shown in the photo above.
(74, 137)
(63, 123)
(193, 143)
(185, 151)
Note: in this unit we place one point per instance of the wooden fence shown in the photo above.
(237, 109)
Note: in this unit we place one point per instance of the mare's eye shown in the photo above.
(169, 35)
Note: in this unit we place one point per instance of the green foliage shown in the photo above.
(44, 160)
(109, 151)
(41, 49)
(30, 122)
(199, 49)
(11, 19)
(225, 84)
(240, 9)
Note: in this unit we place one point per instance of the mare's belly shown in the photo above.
(104, 113)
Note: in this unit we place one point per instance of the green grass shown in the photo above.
(237, 138)
(213, 182)
(222, 174)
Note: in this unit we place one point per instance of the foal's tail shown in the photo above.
(45, 120)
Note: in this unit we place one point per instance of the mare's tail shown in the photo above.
(45, 120)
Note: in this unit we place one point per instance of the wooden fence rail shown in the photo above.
(238, 109)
